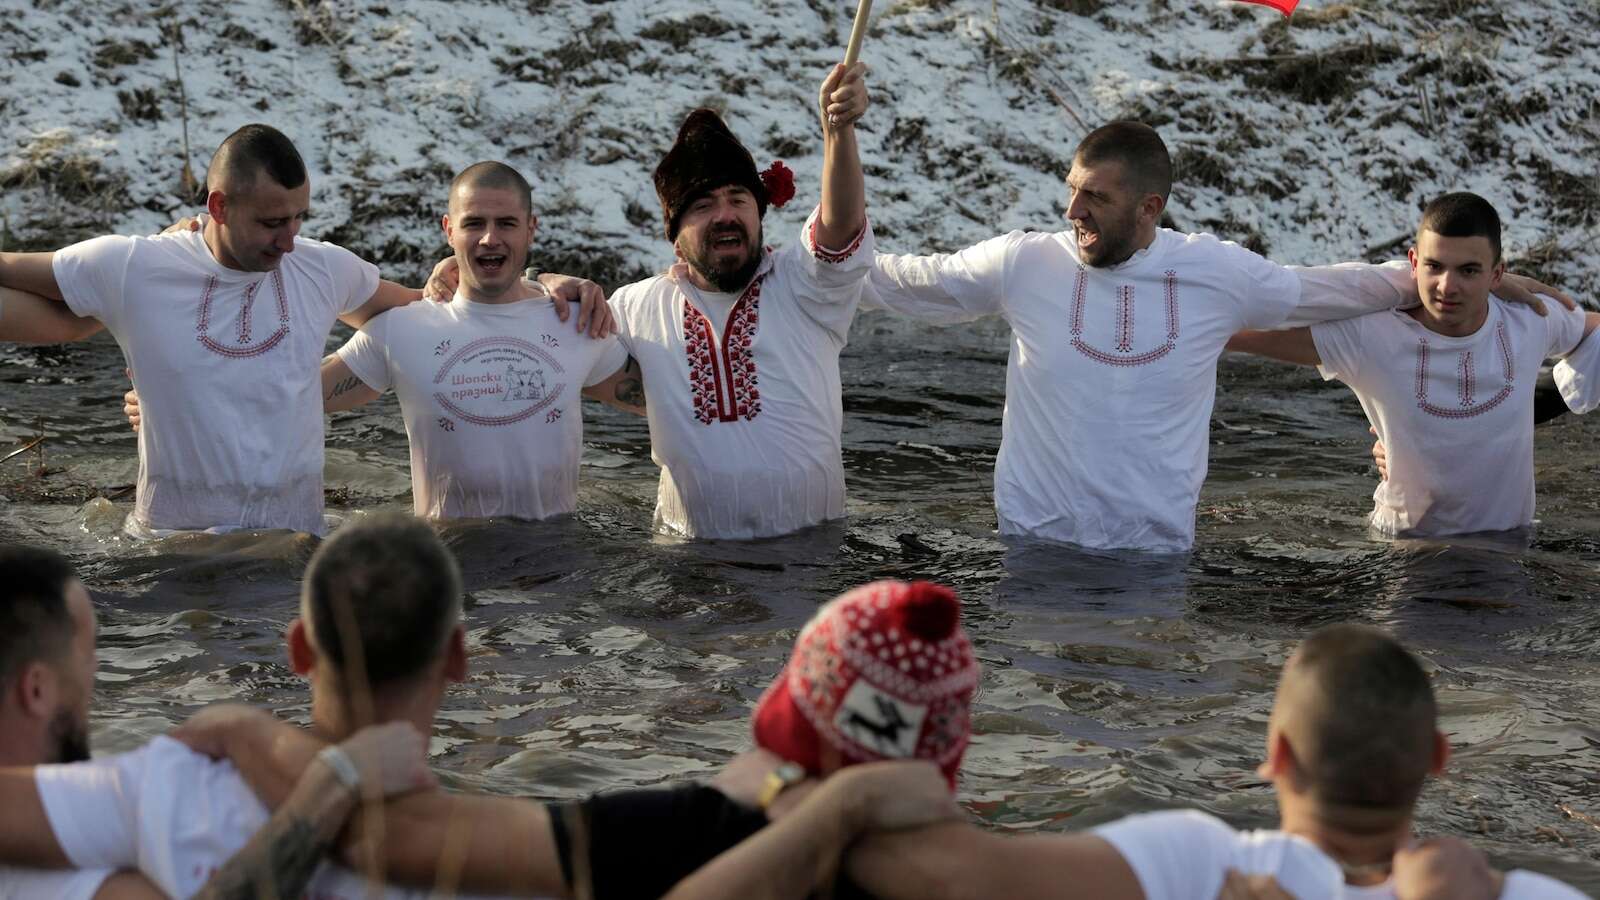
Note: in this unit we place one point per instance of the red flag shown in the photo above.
(1284, 6)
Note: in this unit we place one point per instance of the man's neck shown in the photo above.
(1426, 320)
(212, 234)
(334, 719)
(1365, 858)
(20, 743)
(519, 290)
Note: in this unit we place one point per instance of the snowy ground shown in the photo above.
(1312, 139)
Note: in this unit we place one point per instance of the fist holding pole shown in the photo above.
(843, 98)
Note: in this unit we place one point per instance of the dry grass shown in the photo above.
(680, 33)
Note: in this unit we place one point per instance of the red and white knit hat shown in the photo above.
(882, 672)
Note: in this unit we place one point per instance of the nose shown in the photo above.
(283, 241)
(1449, 283)
(1075, 210)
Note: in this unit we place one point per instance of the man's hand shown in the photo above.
(594, 315)
(843, 97)
(889, 796)
(1239, 886)
(1380, 456)
(1523, 289)
(391, 759)
(1444, 868)
(187, 223)
(441, 286)
(213, 730)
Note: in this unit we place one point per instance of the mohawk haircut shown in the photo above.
(1462, 214)
(382, 595)
(1146, 164)
(34, 621)
(252, 150)
(495, 176)
(1367, 716)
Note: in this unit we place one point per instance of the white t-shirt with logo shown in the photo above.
(1454, 413)
(226, 365)
(171, 813)
(1186, 854)
(1113, 371)
(491, 398)
(743, 397)
(57, 884)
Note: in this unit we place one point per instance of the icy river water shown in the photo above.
(605, 656)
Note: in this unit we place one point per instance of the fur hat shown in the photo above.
(882, 672)
(706, 156)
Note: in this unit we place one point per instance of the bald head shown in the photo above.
(1359, 713)
(491, 176)
(253, 152)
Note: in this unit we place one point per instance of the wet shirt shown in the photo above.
(1578, 377)
(743, 396)
(1112, 371)
(226, 366)
(67, 884)
(490, 393)
(1454, 413)
(1186, 854)
(173, 814)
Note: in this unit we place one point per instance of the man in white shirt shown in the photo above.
(488, 383)
(1447, 385)
(1117, 326)
(1352, 737)
(739, 345)
(379, 637)
(223, 330)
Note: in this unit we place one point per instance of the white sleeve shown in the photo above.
(1339, 346)
(93, 808)
(1347, 290)
(1176, 854)
(354, 279)
(1524, 885)
(1565, 326)
(56, 884)
(606, 364)
(944, 287)
(91, 275)
(367, 353)
(1578, 376)
(826, 280)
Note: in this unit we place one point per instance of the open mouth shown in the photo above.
(727, 241)
(492, 264)
(1087, 239)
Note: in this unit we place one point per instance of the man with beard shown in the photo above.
(739, 345)
(1116, 329)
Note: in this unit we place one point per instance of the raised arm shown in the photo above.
(841, 101)
(388, 296)
(31, 272)
(1292, 346)
(28, 318)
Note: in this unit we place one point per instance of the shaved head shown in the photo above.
(1359, 713)
(251, 152)
(1146, 166)
(493, 176)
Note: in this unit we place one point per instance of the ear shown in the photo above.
(217, 207)
(1496, 274)
(1151, 207)
(455, 655)
(1441, 754)
(1412, 255)
(533, 227)
(38, 689)
(302, 655)
(444, 223)
(1280, 762)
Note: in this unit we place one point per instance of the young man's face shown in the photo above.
(490, 230)
(259, 224)
(1454, 278)
(719, 236)
(1104, 212)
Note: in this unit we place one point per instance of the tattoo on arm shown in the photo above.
(343, 387)
(630, 390)
(278, 862)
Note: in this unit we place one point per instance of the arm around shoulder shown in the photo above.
(1295, 346)
(28, 318)
(961, 862)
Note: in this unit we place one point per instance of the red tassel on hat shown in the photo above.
(778, 179)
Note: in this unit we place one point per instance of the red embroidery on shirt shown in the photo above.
(723, 382)
(1466, 379)
(244, 349)
(833, 256)
(1123, 332)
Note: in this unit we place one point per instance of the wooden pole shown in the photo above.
(858, 33)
